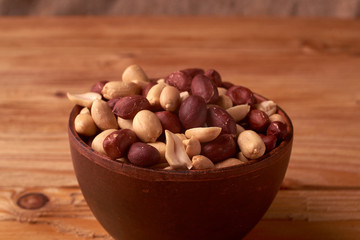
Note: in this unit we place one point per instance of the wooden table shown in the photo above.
(309, 67)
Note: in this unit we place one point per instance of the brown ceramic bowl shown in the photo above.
(138, 203)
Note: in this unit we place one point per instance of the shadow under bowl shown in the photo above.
(139, 203)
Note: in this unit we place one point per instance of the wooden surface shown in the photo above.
(311, 68)
(308, 8)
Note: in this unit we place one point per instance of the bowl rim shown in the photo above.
(178, 175)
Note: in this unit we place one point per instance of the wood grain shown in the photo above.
(310, 67)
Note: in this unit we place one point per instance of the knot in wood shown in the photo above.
(32, 201)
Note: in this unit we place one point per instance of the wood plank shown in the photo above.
(67, 215)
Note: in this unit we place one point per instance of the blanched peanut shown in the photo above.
(84, 99)
(117, 89)
(201, 162)
(251, 144)
(135, 74)
(181, 136)
(269, 107)
(222, 91)
(184, 95)
(203, 134)
(147, 126)
(154, 94)
(238, 112)
(125, 123)
(170, 98)
(84, 110)
(175, 153)
(192, 146)
(224, 101)
(228, 163)
(102, 115)
(85, 125)
(276, 117)
(239, 129)
(242, 158)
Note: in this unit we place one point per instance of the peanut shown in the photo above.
(127, 107)
(203, 134)
(251, 144)
(228, 163)
(97, 87)
(154, 94)
(204, 87)
(278, 129)
(118, 142)
(219, 117)
(84, 99)
(85, 125)
(276, 117)
(135, 74)
(184, 95)
(102, 115)
(269, 107)
(214, 76)
(224, 101)
(175, 152)
(97, 143)
(179, 79)
(169, 121)
(170, 98)
(161, 147)
(201, 162)
(239, 129)
(192, 112)
(239, 112)
(125, 123)
(192, 146)
(147, 126)
(241, 95)
(258, 120)
(143, 155)
(222, 91)
(221, 148)
(116, 89)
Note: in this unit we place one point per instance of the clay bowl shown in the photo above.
(138, 203)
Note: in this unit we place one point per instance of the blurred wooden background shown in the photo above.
(306, 8)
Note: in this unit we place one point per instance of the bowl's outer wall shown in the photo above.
(133, 203)
(133, 208)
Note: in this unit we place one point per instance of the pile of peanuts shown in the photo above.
(189, 120)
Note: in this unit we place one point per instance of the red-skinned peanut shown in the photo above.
(179, 79)
(143, 155)
(204, 87)
(241, 95)
(269, 141)
(192, 72)
(221, 148)
(169, 121)
(117, 143)
(127, 107)
(218, 117)
(214, 76)
(278, 129)
(192, 112)
(258, 120)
